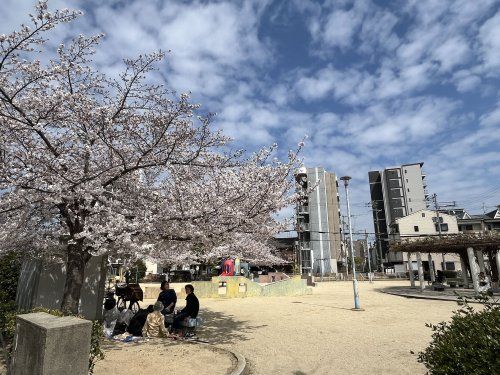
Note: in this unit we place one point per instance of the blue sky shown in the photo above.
(372, 83)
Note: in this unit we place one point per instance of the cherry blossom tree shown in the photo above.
(92, 164)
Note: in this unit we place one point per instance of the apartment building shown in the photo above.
(318, 222)
(395, 193)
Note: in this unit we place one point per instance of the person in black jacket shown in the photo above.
(191, 309)
(138, 321)
(167, 297)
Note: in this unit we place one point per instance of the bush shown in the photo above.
(469, 344)
(10, 267)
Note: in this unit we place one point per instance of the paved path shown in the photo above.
(449, 294)
(319, 334)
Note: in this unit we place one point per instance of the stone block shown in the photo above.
(50, 345)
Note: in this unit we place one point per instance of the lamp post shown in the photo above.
(354, 281)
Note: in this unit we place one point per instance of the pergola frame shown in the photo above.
(470, 248)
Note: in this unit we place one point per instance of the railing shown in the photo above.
(303, 209)
(305, 245)
(304, 227)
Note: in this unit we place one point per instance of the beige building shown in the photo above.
(424, 223)
(318, 222)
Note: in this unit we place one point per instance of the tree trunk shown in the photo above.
(75, 274)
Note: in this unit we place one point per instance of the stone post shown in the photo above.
(464, 271)
(420, 272)
(474, 269)
(431, 268)
(410, 271)
(50, 345)
(480, 260)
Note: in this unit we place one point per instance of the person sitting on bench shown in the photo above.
(168, 297)
(155, 323)
(191, 309)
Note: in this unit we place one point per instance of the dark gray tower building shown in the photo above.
(395, 192)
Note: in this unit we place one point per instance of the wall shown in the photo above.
(425, 224)
(426, 227)
(414, 187)
(235, 287)
(42, 284)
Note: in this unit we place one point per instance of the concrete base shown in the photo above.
(50, 345)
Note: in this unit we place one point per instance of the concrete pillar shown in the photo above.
(410, 271)
(420, 272)
(480, 260)
(474, 269)
(431, 268)
(464, 271)
(50, 345)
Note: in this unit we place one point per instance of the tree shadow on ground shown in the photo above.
(217, 328)
(220, 328)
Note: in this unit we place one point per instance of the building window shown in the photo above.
(468, 227)
(460, 228)
(406, 180)
(409, 199)
(423, 214)
(408, 190)
(405, 173)
(450, 266)
(444, 227)
(415, 228)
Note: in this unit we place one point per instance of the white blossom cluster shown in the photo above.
(95, 165)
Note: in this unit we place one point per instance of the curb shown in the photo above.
(433, 298)
(241, 363)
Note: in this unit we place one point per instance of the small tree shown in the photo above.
(469, 344)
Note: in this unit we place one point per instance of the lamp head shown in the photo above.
(345, 179)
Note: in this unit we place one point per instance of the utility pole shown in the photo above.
(436, 207)
(357, 306)
(345, 253)
(370, 276)
(377, 235)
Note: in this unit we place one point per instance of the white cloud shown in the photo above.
(465, 80)
(491, 119)
(340, 27)
(454, 51)
(490, 44)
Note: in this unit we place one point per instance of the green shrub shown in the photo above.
(469, 344)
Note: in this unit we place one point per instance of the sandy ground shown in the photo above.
(319, 334)
(306, 335)
(160, 356)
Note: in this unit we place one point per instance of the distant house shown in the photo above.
(484, 223)
(425, 223)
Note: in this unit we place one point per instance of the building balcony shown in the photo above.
(304, 227)
(305, 245)
(302, 209)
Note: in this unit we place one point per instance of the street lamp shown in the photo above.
(354, 281)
